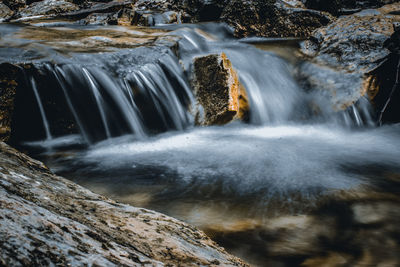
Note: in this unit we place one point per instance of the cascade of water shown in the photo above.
(105, 103)
(99, 100)
(61, 77)
(275, 96)
(122, 93)
(41, 109)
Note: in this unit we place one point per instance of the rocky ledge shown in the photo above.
(354, 53)
(48, 220)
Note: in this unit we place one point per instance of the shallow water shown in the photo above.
(238, 178)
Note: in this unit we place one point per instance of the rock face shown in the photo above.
(351, 47)
(47, 220)
(218, 91)
(8, 86)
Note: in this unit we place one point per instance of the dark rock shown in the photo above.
(385, 80)
(8, 89)
(29, 126)
(47, 7)
(218, 91)
(110, 7)
(338, 7)
(272, 19)
(263, 18)
(101, 19)
(5, 12)
(15, 4)
(48, 220)
(149, 18)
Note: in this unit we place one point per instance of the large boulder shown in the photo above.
(345, 53)
(46, 220)
(219, 93)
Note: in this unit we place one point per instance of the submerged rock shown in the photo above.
(48, 220)
(218, 90)
(352, 47)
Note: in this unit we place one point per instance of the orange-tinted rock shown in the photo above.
(218, 91)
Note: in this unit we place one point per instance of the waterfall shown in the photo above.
(41, 109)
(133, 92)
(103, 103)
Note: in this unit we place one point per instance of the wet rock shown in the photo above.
(149, 18)
(351, 47)
(48, 220)
(109, 7)
(47, 7)
(294, 3)
(338, 7)
(218, 91)
(272, 19)
(5, 12)
(8, 89)
(101, 19)
(263, 18)
(15, 4)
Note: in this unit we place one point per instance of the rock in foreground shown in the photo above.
(47, 220)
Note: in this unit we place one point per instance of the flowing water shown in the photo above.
(133, 136)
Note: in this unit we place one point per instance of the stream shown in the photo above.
(300, 178)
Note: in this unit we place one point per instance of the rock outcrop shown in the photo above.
(219, 93)
(48, 220)
(347, 51)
